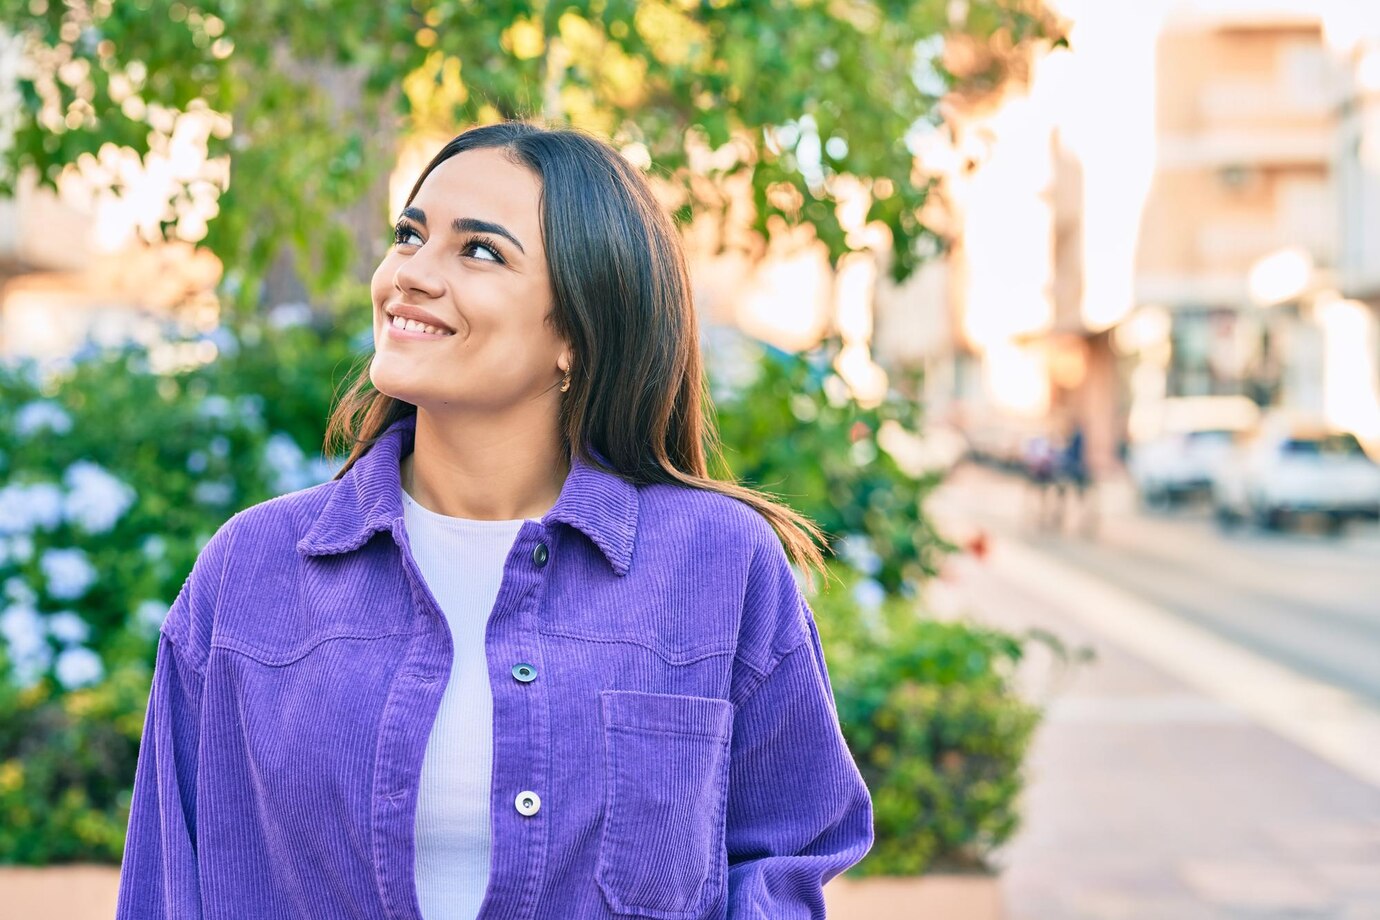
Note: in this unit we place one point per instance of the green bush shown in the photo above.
(114, 478)
(792, 430)
(937, 729)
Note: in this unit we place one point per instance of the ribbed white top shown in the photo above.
(462, 562)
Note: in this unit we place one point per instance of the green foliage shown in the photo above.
(67, 759)
(794, 431)
(938, 731)
(191, 447)
(315, 100)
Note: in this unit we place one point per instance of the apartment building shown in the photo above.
(1241, 222)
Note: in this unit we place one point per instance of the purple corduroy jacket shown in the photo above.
(666, 743)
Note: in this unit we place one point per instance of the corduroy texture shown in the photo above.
(462, 562)
(680, 728)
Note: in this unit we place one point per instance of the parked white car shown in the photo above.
(1179, 444)
(1291, 469)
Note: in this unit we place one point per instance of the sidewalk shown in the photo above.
(1156, 792)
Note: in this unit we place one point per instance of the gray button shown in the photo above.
(525, 672)
(528, 803)
(540, 554)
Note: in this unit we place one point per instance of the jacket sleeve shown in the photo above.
(159, 877)
(798, 811)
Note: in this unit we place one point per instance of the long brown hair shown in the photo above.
(638, 392)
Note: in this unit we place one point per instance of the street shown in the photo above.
(1304, 599)
(1217, 759)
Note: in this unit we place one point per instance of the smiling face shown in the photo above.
(468, 252)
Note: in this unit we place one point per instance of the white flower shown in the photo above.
(226, 344)
(150, 614)
(214, 406)
(154, 547)
(21, 547)
(40, 414)
(79, 666)
(250, 408)
(869, 594)
(28, 507)
(732, 360)
(96, 499)
(45, 504)
(23, 367)
(320, 470)
(68, 628)
(28, 650)
(23, 630)
(68, 571)
(856, 550)
(282, 452)
(286, 461)
(19, 591)
(289, 315)
(14, 515)
(214, 492)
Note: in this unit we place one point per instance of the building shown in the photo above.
(1185, 204)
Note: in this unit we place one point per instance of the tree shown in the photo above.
(307, 100)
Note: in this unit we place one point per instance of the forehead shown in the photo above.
(484, 184)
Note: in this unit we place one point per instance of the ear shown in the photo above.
(563, 362)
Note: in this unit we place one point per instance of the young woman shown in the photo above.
(521, 657)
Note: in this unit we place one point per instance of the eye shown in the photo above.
(405, 235)
(479, 244)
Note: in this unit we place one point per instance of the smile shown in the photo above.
(411, 329)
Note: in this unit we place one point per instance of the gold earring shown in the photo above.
(565, 383)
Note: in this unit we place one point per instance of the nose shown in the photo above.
(416, 274)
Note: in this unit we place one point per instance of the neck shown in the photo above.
(484, 470)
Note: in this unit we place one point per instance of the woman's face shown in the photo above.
(468, 251)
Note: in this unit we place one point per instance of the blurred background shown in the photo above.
(1060, 318)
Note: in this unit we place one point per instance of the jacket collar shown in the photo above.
(368, 498)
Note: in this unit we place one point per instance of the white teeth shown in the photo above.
(412, 325)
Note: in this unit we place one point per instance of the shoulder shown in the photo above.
(263, 535)
(713, 520)
(283, 518)
(713, 532)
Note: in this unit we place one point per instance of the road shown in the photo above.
(1202, 766)
(1306, 600)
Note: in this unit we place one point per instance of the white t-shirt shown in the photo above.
(462, 562)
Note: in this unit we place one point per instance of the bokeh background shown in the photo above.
(1060, 318)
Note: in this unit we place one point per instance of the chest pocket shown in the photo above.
(662, 850)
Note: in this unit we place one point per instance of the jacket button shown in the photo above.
(528, 803)
(540, 554)
(525, 672)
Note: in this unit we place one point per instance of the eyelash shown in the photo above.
(402, 231)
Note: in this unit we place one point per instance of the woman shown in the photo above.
(520, 658)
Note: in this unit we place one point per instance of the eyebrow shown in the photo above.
(467, 225)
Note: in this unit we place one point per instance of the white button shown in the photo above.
(528, 803)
